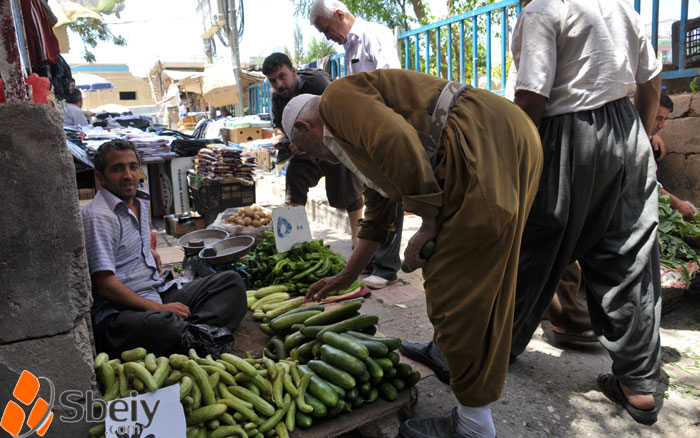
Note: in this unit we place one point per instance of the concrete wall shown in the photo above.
(124, 82)
(44, 284)
(679, 172)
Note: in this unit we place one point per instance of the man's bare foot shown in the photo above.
(639, 401)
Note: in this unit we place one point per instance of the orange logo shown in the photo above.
(26, 391)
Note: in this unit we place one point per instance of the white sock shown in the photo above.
(475, 422)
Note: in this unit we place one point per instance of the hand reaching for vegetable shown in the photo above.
(324, 286)
(412, 255)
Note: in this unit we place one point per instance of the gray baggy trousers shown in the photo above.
(597, 202)
(218, 300)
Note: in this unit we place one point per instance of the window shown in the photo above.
(127, 95)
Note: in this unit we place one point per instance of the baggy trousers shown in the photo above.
(597, 203)
(218, 300)
(488, 166)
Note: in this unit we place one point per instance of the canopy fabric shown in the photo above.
(178, 75)
(67, 11)
(90, 82)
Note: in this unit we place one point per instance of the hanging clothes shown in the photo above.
(42, 43)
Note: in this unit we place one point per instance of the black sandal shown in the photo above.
(610, 386)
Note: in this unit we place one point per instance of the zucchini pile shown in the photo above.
(338, 347)
(304, 264)
(228, 397)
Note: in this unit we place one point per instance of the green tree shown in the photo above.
(92, 31)
(318, 48)
(389, 12)
(298, 45)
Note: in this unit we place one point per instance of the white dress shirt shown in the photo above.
(581, 54)
(370, 46)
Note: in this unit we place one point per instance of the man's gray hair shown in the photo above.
(325, 9)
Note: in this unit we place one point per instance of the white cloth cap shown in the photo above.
(292, 110)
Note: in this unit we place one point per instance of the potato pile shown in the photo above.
(253, 216)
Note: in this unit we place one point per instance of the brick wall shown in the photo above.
(679, 172)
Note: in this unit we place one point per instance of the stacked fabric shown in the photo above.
(223, 162)
(151, 148)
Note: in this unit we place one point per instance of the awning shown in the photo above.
(177, 75)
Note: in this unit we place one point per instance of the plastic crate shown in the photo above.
(220, 196)
(692, 43)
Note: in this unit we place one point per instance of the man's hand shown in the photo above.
(658, 144)
(179, 309)
(427, 231)
(685, 209)
(324, 286)
(275, 140)
(159, 264)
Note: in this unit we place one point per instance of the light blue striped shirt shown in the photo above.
(117, 242)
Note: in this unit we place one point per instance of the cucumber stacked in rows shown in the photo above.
(350, 367)
(228, 397)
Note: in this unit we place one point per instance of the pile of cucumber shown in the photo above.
(339, 348)
(228, 397)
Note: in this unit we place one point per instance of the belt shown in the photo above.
(445, 102)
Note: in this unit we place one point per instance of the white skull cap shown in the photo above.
(292, 110)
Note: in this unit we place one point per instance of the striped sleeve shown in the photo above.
(101, 240)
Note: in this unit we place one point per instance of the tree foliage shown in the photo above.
(389, 12)
(298, 45)
(92, 31)
(319, 48)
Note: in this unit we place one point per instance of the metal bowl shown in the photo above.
(227, 250)
(193, 242)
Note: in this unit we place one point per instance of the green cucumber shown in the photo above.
(392, 343)
(320, 409)
(342, 360)
(352, 394)
(387, 391)
(399, 384)
(336, 410)
(283, 322)
(258, 403)
(376, 349)
(375, 370)
(303, 420)
(346, 343)
(365, 388)
(312, 331)
(335, 315)
(338, 390)
(295, 340)
(373, 394)
(413, 378)
(332, 374)
(358, 402)
(394, 357)
(390, 373)
(319, 388)
(385, 363)
(404, 370)
(354, 323)
(134, 355)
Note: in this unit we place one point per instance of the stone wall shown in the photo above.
(44, 282)
(679, 172)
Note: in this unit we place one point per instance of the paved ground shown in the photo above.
(550, 391)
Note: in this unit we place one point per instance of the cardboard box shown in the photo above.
(177, 229)
(86, 194)
(263, 159)
(242, 135)
(173, 184)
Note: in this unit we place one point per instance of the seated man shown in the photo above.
(134, 306)
(73, 115)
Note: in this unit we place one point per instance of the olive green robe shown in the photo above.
(485, 179)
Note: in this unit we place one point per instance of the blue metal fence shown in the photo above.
(433, 38)
(259, 98)
(423, 49)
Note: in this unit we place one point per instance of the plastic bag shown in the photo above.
(207, 339)
(222, 223)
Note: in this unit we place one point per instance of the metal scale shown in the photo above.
(210, 251)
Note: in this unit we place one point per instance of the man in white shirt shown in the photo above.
(73, 115)
(579, 62)
(368, 47)
(170, 103)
